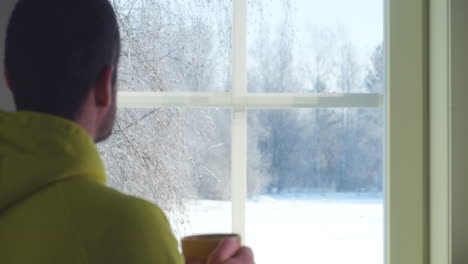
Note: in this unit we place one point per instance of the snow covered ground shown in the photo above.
(315, 229)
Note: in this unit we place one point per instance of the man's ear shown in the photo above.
(7, 78)
(103, 90)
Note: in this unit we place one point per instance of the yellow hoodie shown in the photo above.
(56, 208)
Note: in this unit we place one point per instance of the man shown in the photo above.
(61, 62)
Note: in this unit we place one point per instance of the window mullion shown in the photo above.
(239, 118)
(239, 170)
(250, 101)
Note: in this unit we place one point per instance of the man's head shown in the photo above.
(61, 58)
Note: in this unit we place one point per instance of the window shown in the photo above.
(264, 118)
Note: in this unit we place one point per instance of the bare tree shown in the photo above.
(172, 155)
(166, 46)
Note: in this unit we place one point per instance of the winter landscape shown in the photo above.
(309, 229)
(315, 176)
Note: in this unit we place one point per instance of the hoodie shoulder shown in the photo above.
(118, 228)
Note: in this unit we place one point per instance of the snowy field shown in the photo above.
(315, 229)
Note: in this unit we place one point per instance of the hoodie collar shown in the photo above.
(39, 149)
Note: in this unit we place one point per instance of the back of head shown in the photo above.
(56, 50)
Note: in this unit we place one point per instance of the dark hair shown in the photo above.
(56, 51)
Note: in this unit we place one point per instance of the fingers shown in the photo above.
(244, 256)
(226, 250)
(193, 262)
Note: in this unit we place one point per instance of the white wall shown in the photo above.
(6, 102)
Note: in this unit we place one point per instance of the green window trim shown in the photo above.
(407, 209)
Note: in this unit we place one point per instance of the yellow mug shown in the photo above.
(199, 247)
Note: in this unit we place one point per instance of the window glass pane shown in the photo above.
(315, 186)
(178, 159)
(331, 46)
(175, 45)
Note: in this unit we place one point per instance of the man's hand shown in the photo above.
(230, 251)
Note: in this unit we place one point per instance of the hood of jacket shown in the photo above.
(37, 150)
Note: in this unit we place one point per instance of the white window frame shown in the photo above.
(406, 209)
